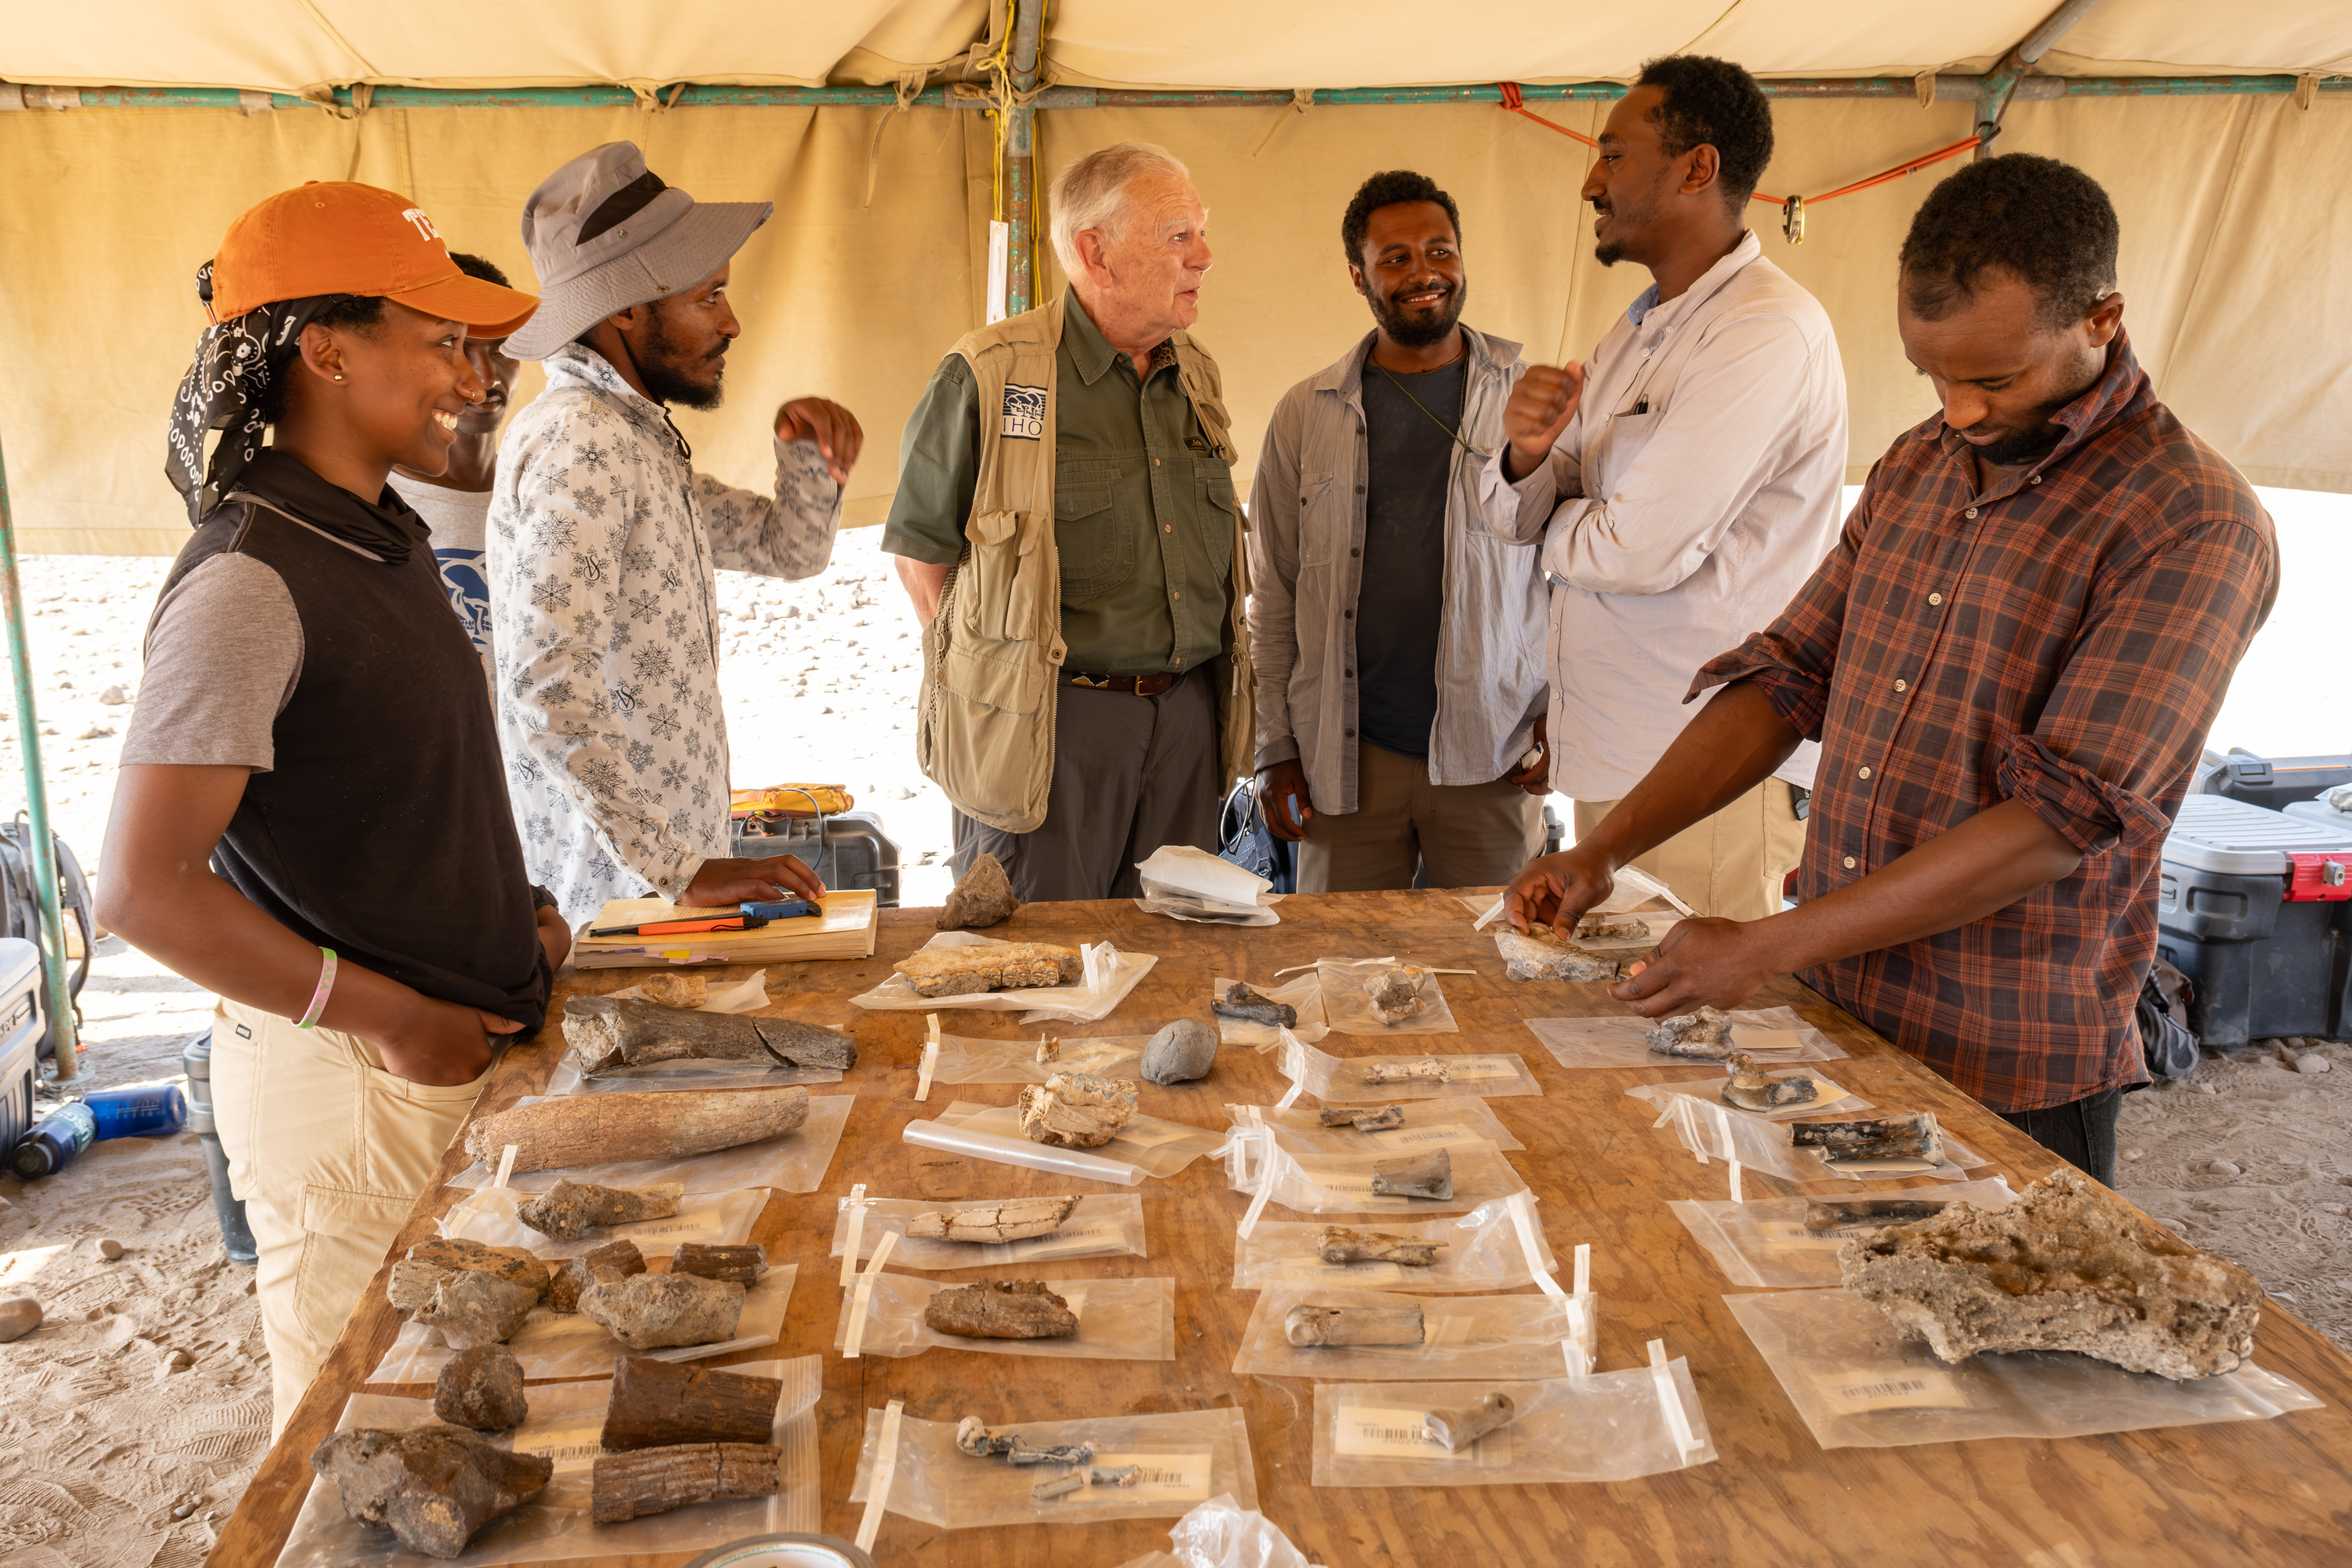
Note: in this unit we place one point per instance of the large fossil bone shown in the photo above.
(570, 1210)
(2067, 1267)
(1015, 1219)
(1340, 1245)
(1753, 1088)
(982, 897)
(1400, 993)
(614, 1260)
(1309, 1325)
(1429, 1069)
(1002, 1309)
(1458, 1429)
(989, 966)
(1539, 954)
(1076, 1110)
(1378, 1120)
(594, 1128)
(1429, 1175)
(607, 1033)
(416, 1276)
(1909, 1136)
(649, 1311)
(1247, 1006)
(655, 1480)
(433, 1486)
(1836, 1214)
(742, 1264)
(658, 1404)
(1705, 1035)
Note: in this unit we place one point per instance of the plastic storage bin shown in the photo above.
(20, 1036)
(853, 852)
(2255, 908)
(2271, 783)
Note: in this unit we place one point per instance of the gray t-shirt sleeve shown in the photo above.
(222, 654)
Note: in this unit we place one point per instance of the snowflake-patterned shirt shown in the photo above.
(603, 545)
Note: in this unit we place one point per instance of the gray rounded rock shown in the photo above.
(1184, 1050)
(19, 1316)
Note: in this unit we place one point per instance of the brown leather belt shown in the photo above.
(1142, 685)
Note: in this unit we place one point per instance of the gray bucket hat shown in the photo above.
(605, 234)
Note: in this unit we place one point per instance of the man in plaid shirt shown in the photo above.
(2011, 661)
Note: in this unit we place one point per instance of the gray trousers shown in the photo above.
(1131, 773)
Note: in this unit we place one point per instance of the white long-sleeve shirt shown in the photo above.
(603, 545)
(1695, 491)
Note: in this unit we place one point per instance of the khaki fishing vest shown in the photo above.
(992, 655)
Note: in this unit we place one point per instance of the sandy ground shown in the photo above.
(145, 1394)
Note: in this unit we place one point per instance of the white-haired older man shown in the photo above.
(1065, 523)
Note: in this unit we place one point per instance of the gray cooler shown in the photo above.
(2255, 908)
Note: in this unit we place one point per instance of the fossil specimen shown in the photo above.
(592, 1129)
(655, 1480)
(1611, 928)
(1398, 993)
(982, 897)
(432, 1487)
(1429, 1175)
(1909, 1136)
(2067, 1267)
(1076, 1110)
(1340, 1245)
(416, 1276)
(570, 1210)
(740, 1264)
(973, 1437)
(1002, 1309)
(606, 1034)
(1754, 1090)
(1180, 1053)
(1014, 1219)
(675, 990)
(1378, 1120)
(1458, 1429)
(1092, 1476)
(470, 1308)
(481, 1389)
(657, 1403)
(614, 1260)
(1245, 1006)
(1705, 1034)
(1305, 1326)
(1836, 1214)
(649, 1311)
(1429, 1069)
(1539, 954)
(990, 967)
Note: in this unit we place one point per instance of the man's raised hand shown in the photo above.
(834, 428)
(1539, 408)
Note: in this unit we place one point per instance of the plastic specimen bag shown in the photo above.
(1610, 1426)
(1119, 1320)
(1355, 1080)
(1773, 1035)
(1302, 994)
(1192, 884)
(1104, 1225)
(1719, 1133)
(565, 1422)
(1428, 1124)
(1151, 1144)
(1462, 1336)
(552, 1344)
(488, 1215)
(1347, 987)
(793, 1161)
(1480, 1250)
(1764, 1243)
(1636, 890)
(1109, 975)
(1185, 1457)
(961, 1060)
(1860, 1383)
(1342, 1183)
(1829, 1097)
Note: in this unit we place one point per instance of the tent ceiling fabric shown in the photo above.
(288, 45)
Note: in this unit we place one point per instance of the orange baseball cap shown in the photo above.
(331, 237)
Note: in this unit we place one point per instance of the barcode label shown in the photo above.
(1891, 1388)
(1781, 1234)
(704, 1222)
(1070, 1239)
(1387, 1432)
(1179, 1476)
(1744, 1038)
(574, 1444)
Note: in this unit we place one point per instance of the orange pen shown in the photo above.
(679, 928)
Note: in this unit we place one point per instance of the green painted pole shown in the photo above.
(1020, 160)
(43, 849)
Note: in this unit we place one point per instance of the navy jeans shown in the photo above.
(2082, 1133)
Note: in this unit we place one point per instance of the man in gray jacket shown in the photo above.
(1399, 644)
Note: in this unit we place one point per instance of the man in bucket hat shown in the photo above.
(603, 541)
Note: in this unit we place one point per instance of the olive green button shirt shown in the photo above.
(1143, 509)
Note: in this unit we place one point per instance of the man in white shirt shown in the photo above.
(1687, 480)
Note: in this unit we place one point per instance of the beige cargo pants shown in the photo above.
(329, 1153)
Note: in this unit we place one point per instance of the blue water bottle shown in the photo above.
(142, 1110)
(53, 1140)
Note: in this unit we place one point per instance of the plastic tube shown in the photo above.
(1021, 1152)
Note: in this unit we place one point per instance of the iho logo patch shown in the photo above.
(1025, 413)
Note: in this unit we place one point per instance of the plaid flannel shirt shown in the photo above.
(2063, 639)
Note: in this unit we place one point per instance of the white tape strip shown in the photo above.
(930, 1061)
(857, 1235)
(506, 1164)
(1264, 1185)
(863, 1297)
(886, 1470)
(1522, 1207)
(1735, 1184)
(1255, 1143)
(1671, 1399)
(1686, 1123)
(1482, 921)
(1584, 1268)
(1290, 1096)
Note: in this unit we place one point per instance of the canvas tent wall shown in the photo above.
(876, 258)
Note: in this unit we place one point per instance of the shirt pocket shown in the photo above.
(1091, 530)
(1215, 517)
(1621, 444)
(1321, 518)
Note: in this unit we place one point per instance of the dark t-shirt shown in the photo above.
(1402, 591)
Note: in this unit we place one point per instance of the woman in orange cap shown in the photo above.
(312, 818)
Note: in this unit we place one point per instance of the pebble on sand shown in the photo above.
(2221, 1168)
(110, 1249)
(19, 1316)
(2315, 1062)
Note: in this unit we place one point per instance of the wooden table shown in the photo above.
(2277, 1491)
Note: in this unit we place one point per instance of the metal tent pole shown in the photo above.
(1995, 87)
(59, 1009)
(1020, 160)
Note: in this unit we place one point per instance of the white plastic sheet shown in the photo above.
(1189, 1457)
(1119, 1320)
(1860, 1383)
(1302, 993)
(1152, 1144)
(488, 1215)
(1621, 1041)
(1104, 1225)
(1428, 1124)
(1342, 1183)
(962, 1059)
(1192, 884)
(1462, 1336)
(1109, 976)
(1345, 1080)
(1764, 1243)
(794, 1162)
(1715, 1132)
(1482, 1251)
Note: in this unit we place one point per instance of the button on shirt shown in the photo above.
(1696, 488)
(2063, 639)
(1143, 507)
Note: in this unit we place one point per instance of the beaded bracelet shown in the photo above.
(326, 989)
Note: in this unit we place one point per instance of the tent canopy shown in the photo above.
(2232, 261)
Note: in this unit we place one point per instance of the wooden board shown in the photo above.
(2265, 1491)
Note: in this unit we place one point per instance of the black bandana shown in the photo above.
(226, 389)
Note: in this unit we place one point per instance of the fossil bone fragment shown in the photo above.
(1399, 993)
(593, 1129)
(1378, 1120)
(740, 1264)
(481, 1389)
(1059, 1486)
(1429, 1069)
(1340, 1245)
(1539, 954)
(570, 1210)
(1092, 1476)
(659, 1404)
(433, 1486)
(607, 1033)
(1001, 1309)
(1049, 1049)
(1076, 1110)
(973, 1437)
(1015, 1219)
(649, 1311)
(1180, 1053)
(1611, 928)
(1308, 1326)
(1705, 1034)
(1753, 1088)
(982, 897)
(2067, 1267)
(655, 1480)
(1458, 1429)
(614, 1260)
(675, 990)
(1909, 1136)
(992, 966)
(1429, 1175)
(470, 1308)
(1247, 1006)
(1836, 1214)
(416, 1276)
